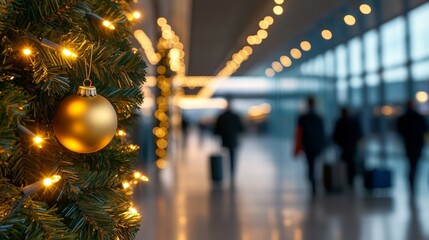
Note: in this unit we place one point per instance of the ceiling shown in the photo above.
(219, 28)
(212, 30)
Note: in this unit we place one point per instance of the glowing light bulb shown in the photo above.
(133, 211)
(305, 45)
(108, 25)
(365, 9)
(51, 180)
(295, 53)
(277, 66)
(269, 20)
(137, 14)
(279, 1)
(278, 10)
(144, 178)
(422, 97)
(37, 140)
(126, 185)
(122, 133)
(161, 21)
(47, 182)
(326, 34)
(350, 20)
(26, 51)
(269, 72)
(286, 61)
(68, 53)
(137, 175)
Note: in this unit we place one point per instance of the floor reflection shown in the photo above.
(270, 201)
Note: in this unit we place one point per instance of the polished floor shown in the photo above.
(269, 200)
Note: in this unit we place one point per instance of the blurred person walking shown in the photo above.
(412, 127)
(228, 126)
(310, 125)
(347, 133)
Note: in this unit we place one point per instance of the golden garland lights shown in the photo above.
(326, 34)
(169, 58)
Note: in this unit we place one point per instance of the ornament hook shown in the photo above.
(88, 71)
(87, 82)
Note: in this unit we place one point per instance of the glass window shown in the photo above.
(356, 82)
(355, 53)
(341, 61)
(329, 64)
(419, 29)
(372, 80)
(395, 75)
(419, 71)
(371, 51)
(304, 68)
(393, 42)
(319, 65)
(342, 91)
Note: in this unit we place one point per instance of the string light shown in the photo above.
(286, 61)
(269, 72)
(26, 51)
(295, 53)
(144, 178)
(161, 21)
(305, 45)
(38, 141)
(133, 211)
(326, 34)
(278, 10)
(137, 174)
(349, 20)
(262, 34)
(269, 20)
(64, 51)
(51, 180)
(263, 24)
(277, 66)
(108, 25)
(122, 133)
(68, 53)
(365, 9)
(279, 1)
(137, 14)
(125, 185)
(422, 97)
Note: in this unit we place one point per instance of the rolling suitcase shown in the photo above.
(378, 178)
(335, 177)
(216, 167)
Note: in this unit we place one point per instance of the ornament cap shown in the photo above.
(87, 91)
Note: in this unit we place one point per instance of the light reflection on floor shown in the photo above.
(269, 201)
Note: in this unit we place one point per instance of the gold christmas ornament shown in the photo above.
(85, 122)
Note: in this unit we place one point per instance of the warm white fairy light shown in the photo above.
(26, 51)
(137, 14)
(137, 174)
(108, 25)
(51, 180)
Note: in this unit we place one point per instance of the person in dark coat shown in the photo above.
(412, 127)
(228, 126)
(313, 138)
(347, 134)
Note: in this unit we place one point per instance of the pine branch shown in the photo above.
(88, 217)
(42, 222)
(10, 194)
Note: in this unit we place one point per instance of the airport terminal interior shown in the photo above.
(265, 58)
(259, 120)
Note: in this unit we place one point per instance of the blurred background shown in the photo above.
(264, 58)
